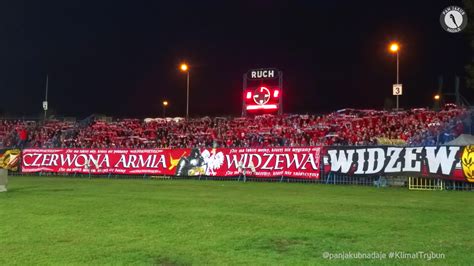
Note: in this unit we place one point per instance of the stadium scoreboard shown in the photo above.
(262, 91)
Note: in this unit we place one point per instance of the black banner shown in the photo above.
(451, 162)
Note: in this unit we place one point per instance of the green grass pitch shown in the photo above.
(149, 222)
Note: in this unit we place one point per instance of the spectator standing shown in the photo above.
(23, 137)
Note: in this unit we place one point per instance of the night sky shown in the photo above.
(121, 58)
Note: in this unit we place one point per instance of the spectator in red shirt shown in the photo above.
(23, 137)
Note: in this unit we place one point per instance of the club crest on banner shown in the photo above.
(467, 162)
(10, 159)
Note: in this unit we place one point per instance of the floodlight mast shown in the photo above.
(184, 67)
(45, 103)
(395, 48)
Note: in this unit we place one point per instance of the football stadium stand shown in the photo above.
(344, 127)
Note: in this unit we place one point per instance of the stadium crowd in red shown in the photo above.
(344, 127)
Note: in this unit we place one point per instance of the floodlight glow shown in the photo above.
(394, 47)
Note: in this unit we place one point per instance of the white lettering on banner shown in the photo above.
(161, 162)
(148, 162)
(234, 161)
(441, 159)
(361, 161)
(295, 161)
(372, 164)
(311, 161)
(375, 163)
(37, 159)
(68, 160)
(265, 165)
(100, 164)
(76, 160)
(394, 165)
(272, 161)
(279, 161)
(138, 161)
(95, 160)
(259, 160)
(412, 163)
(339, 160)
(54, 160)
(131, 161)
(124, 161)
(84, 160)
(25, 161)
(45, 159)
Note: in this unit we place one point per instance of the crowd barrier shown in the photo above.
(451, 166)
(422, 183)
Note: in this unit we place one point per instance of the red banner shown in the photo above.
(300, 162)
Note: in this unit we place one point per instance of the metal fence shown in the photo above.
(423, 183)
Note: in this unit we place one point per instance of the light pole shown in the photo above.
(45, 102)
(165, 104)
(437, 99)
(184, 67)
(395, 48)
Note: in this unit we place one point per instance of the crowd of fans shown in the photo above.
(344, 127)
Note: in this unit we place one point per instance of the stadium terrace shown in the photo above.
(344, 127)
